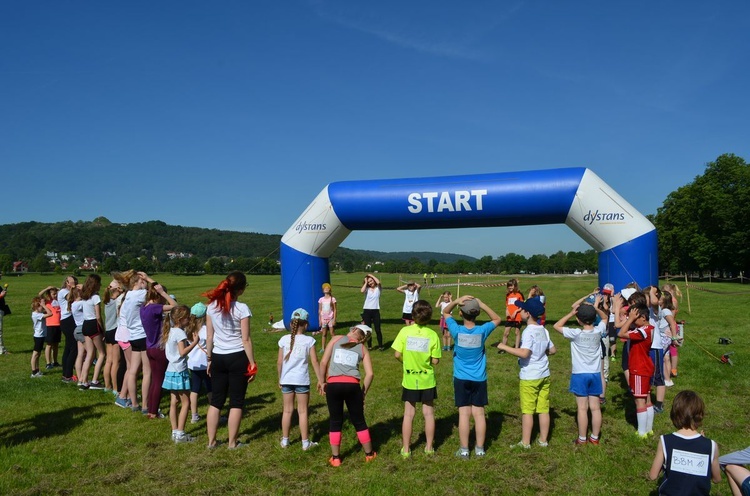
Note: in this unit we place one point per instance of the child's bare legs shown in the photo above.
(544, 422)
(480, 425)
(428, 411)
(55, 347)
(464, 426)
(582, 402)
(131, 377)
(79, 359)
(446, 338)
(194, 403)
(673, 358)
(506, 333)
(100, 356)
(89, 346)
(527, 424)
(35, 361)
(184, 410)
(518, 336)
(286, 415)
(173, 411)
(111, 366)
(596, 417)
(410, 409)
(667, 366)
(124, 386)
(48, 354)
(303, 400)
(736, 475)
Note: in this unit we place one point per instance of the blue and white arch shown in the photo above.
(624, 238)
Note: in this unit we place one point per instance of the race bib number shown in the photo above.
(512, 301)
(346, 357)
(469, 340)
(421, 345)
(689, 463)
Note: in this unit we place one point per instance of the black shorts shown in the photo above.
(419, 395)
(109, 337)
(611, 332)
(54, 335)
(138, 344)
(406, 316)
(470, 393)
(90, 328)
(513, 323)
(38, 344)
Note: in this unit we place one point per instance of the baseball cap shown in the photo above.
(533, 305)
(199, 310)
(470, 307)
(300, 314)
(586, 313)
(364, 328)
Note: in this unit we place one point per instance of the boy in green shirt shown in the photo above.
(418, 347)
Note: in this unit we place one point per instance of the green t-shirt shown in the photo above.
(418, 345)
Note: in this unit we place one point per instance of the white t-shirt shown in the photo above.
(76, 308)
(110, 313)
(197, 359)
(653, 319)
(177, 363)
(664, 330)
(227, 330)
(535, 338)
(585, 348)
(294, 372)
(89, 310)
(40, 327)
(410, 297)
(130, 313)
(62, 300)
(372, 298)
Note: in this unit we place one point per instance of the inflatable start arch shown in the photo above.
(624, 238)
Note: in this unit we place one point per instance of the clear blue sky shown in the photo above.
(234, 114)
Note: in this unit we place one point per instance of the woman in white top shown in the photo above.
(67, 326)
(371, 310)
(92, 330)
(229, 349)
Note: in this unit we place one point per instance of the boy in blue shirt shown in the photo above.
(470, 369)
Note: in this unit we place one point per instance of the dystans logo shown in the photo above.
(305, 227)
(603, 217)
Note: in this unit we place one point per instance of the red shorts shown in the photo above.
(640, 385)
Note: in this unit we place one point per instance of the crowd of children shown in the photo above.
(143, 332)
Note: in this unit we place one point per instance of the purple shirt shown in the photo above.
(151, 317)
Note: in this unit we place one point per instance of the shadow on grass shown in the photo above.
(260, 427)
(46, 425)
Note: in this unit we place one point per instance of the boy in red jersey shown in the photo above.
(640, 365)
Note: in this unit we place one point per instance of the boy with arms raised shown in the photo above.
(535, 383)
(418, 347)
(585, 353)
(640, 365)
(470, 369)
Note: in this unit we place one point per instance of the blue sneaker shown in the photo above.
(121, 402)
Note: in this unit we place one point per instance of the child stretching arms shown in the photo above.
(689, 460)
(296, 352)
(177, 376)
(418, 348)
(640, 365)
(535, 383)
(585, 353)
(39, 313)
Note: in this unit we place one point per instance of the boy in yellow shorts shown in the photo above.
(533, 351)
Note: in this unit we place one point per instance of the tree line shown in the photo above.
(702, 228)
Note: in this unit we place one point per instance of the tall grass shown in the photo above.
(55, 439)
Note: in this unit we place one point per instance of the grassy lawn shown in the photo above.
(55, 439)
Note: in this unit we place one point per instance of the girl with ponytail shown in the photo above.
(229, 351)
(296, 352)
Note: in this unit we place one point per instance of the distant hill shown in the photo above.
(27, 240)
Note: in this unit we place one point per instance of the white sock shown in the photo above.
(642, 418)
(650, 418)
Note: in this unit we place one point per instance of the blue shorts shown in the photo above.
(289, 389)
(470, 393)
(657, 357)
(588, 384)
(745, 488)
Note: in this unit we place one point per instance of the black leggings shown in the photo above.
(70, 352)
(228, 378)
(337, 394)
(372, 319)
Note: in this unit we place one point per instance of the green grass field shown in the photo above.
(55, 439)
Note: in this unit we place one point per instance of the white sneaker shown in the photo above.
(195, 419)
(669, 383)
(308, 445)
(284, 443)
(185, 438)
